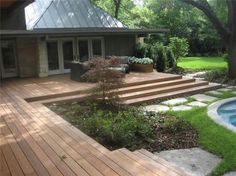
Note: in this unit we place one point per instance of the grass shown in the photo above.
(207, 63)
(213, 137)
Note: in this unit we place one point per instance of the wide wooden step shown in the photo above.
(148, 156)
(154, 85)
(151, 165)
(149, 81)
(138, 166)
(171, 94)
(162, 90)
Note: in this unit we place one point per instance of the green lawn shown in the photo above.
(202, 62)
(213, 137)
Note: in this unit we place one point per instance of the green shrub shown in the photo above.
(171, 62)
(125, 128)
(134, 60)
(160, 57)
(179, 46)
(142, 50)
(226, 57)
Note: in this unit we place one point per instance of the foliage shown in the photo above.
(141, 50)
(182, 19)
(160, 57)
(179, 46)
(218, 76)
(171, 61)
(126, 128)
(208, 63)
(108, 80)
(134, 60)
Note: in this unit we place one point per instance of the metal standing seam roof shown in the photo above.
(43, 14)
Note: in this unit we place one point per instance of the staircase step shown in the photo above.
(148, 156)
(171, 94)
(142, 87)
(130, 165)
(155, 91)
(151, 165)
(149, 81)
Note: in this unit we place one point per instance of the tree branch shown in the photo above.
(204, 6)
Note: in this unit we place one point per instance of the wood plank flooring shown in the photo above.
(34, 141)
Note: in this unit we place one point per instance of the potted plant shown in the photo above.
(141, 64)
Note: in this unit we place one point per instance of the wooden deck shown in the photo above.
(36, 141)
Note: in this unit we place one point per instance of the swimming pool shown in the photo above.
(223, 112)
(228, 112)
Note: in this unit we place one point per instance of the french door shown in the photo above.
(89, 48)
(8, 61)
(61, 52)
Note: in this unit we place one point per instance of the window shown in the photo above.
(83, 50)
(97, 48)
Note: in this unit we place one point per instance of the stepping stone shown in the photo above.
(175, 101)
(156, 108)
(215, 92)
(203, 98)
(230, 174)
(197, 103)
(181, 108)
(194, 160)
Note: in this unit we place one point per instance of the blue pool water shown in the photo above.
(228, 112)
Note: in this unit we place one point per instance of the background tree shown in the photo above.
(226, 32)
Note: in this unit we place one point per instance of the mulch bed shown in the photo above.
(180, 135)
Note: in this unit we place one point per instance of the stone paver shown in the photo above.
(191, 75)
(203, 97)
(156, 108)
(175, 101)
(230, 174)
(215, 92)
(195, 160)
(181, 108)
(197, 103)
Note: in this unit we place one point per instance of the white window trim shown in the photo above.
(75, 40)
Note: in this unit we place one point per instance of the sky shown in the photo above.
(138, 2)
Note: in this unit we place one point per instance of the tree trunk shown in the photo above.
(232, 60)
(117, 7)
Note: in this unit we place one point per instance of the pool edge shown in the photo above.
(213, 114)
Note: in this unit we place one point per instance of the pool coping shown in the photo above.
(213, 114)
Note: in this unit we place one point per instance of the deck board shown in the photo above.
(36, 141)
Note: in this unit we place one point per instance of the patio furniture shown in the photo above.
(78, 69)
(123, 63)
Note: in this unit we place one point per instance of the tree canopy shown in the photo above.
(206, 24)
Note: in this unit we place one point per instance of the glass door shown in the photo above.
(83, 50)
(8, 59)
(67, 54)
(53, 58)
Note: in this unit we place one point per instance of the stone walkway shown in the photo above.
(197, 161)
(183, 104)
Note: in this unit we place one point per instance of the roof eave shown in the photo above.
(81, 31)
